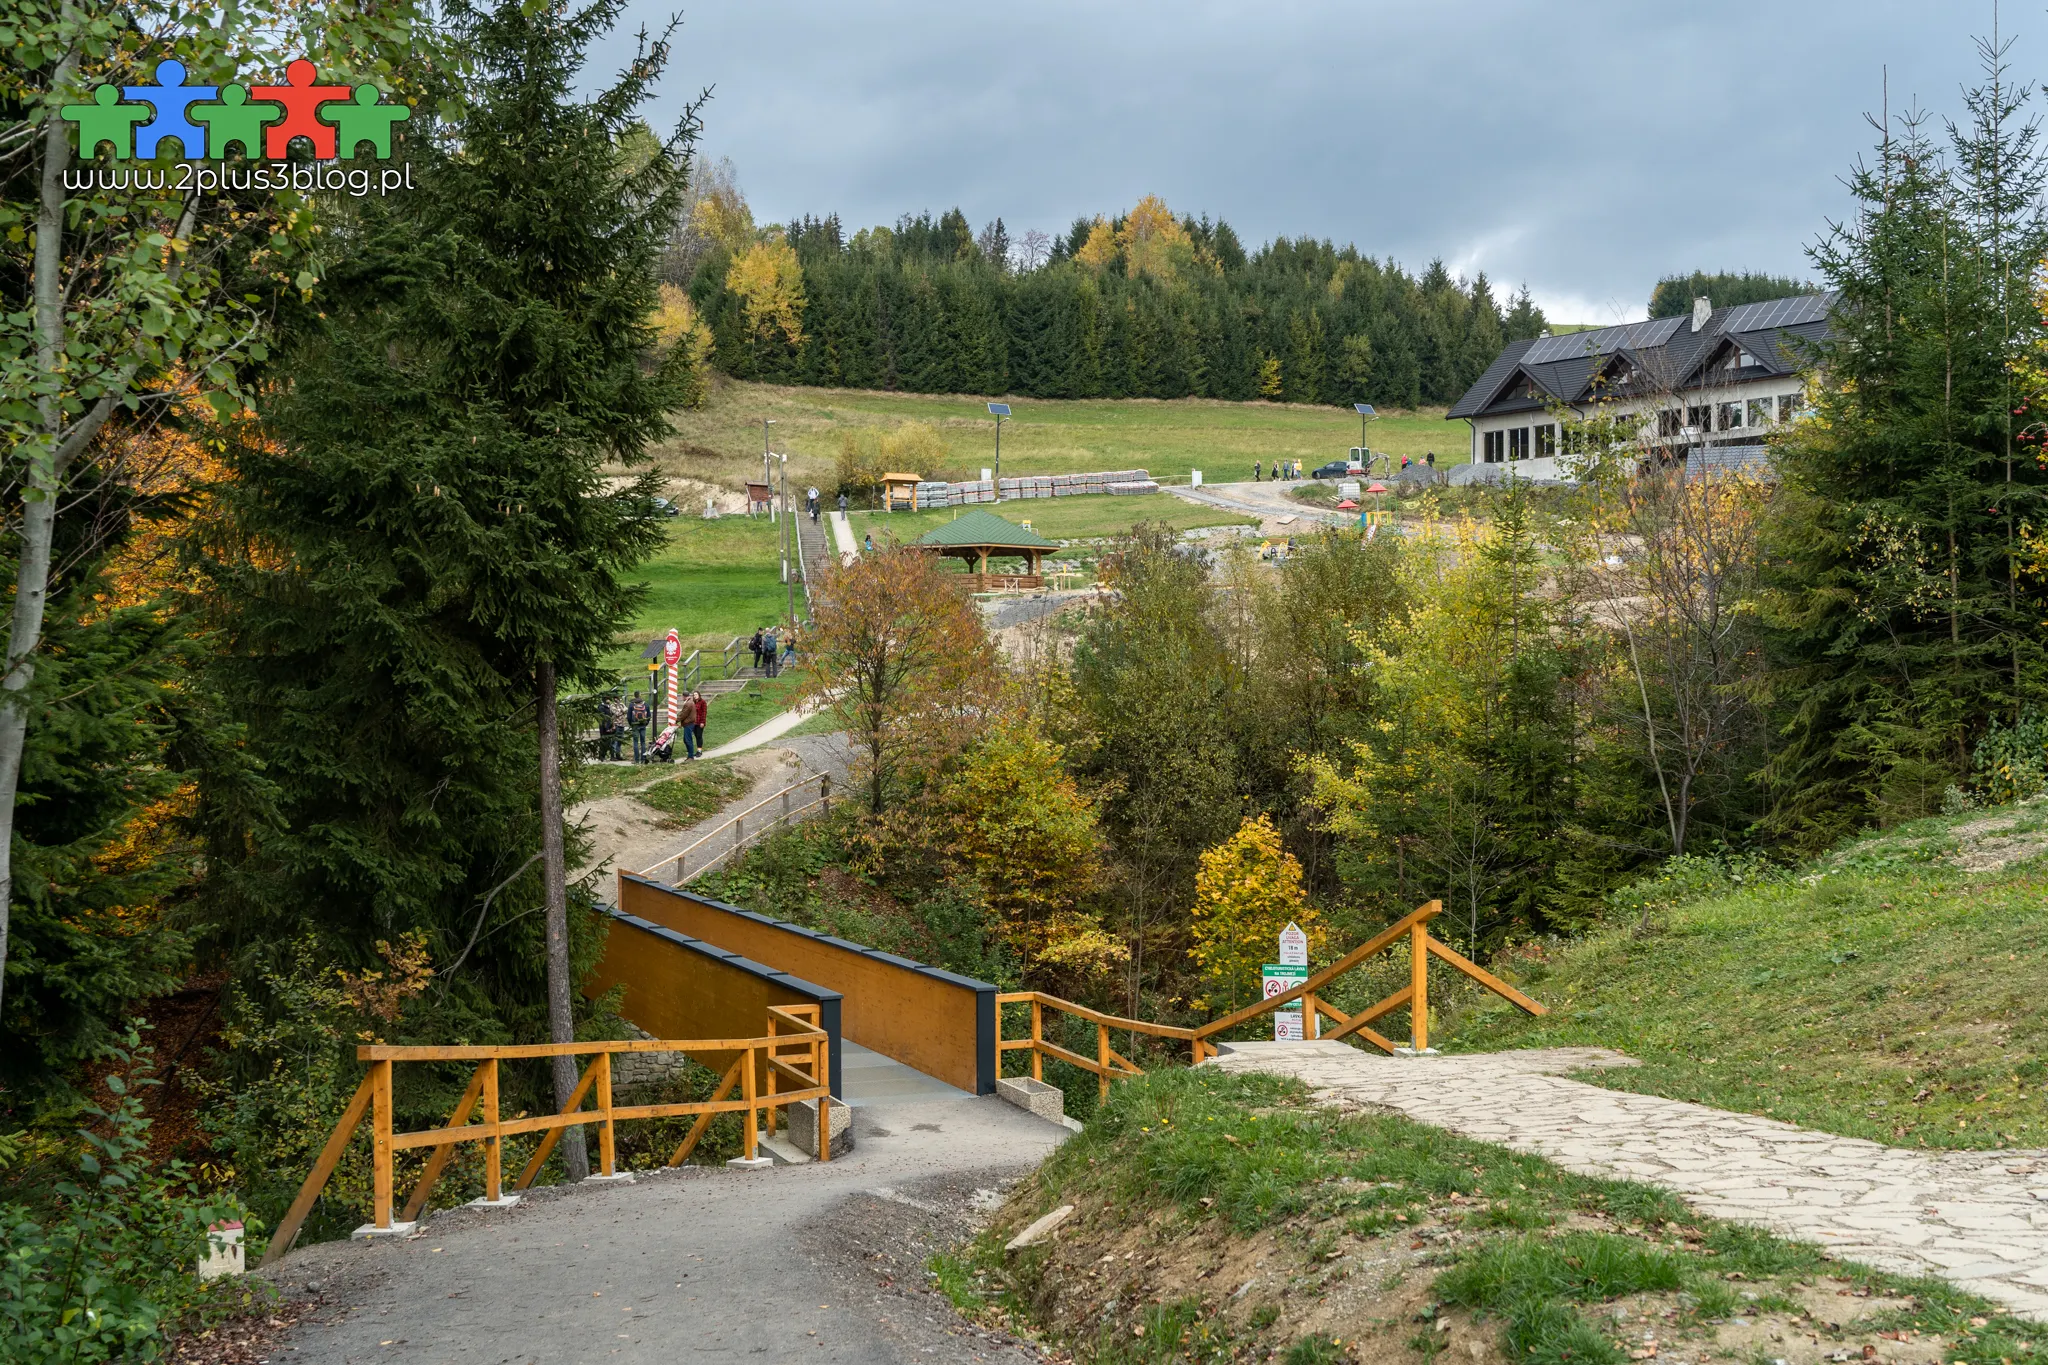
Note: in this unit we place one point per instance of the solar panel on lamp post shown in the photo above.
(999, 411)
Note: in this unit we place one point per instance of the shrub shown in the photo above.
(100, 1245)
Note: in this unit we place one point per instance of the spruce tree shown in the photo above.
(1904, 624)
(439, 553)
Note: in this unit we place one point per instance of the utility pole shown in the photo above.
(767, 478)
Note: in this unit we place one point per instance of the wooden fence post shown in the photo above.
(1418, 983)
(1311, 1023)
(380, 1137)
(748, 1091)
(825, 791)
(785, 807)
(1102, 1060)
(821, 1067)
(494, 1154)
(607, 1148)
(1037, 1041)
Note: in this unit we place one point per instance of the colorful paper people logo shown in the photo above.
(262, 120)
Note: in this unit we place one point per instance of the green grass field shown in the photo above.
(712, 581)
(1890, 990)
(721, 443)
(1054, 518)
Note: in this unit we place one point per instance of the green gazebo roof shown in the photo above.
(977, 528)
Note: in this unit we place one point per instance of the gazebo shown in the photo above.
(976, 535)
(903, 486)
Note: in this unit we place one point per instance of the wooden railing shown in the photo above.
(738, 825)
(793, 1035)
(1108, 1064)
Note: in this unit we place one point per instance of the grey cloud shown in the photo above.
(1583, 149)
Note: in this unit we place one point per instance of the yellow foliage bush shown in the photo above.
(1247, 889)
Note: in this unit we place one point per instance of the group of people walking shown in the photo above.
(772, 647)
(617, 717)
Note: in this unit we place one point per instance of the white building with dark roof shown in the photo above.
(1719, 377)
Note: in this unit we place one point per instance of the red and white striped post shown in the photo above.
(672, 654)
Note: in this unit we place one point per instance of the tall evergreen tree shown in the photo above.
(440, 553)
(1904, 624)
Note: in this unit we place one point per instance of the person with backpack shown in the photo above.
(811, 500)
(754, 645)
(842, 504)
(768, 652)
(637, 716)
(789, 647)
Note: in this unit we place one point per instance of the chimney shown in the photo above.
(1702, 309)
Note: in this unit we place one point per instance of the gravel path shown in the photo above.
(1980, 1219)
(796, 1264)
(627, 836)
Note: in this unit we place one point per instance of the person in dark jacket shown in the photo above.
(700, 711)
(637, 716)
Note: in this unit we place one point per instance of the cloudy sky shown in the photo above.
(1583, 149)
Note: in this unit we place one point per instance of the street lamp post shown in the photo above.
(999, 411)
(788, 531)
(767, 478)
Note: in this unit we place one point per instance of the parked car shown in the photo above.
(662, 507)
(1338, 469)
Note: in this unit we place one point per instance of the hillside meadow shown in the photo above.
(1891, 990)
(721, 442)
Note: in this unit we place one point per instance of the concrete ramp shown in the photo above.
(867, 1079)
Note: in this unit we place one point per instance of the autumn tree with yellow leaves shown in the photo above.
(1247, 889)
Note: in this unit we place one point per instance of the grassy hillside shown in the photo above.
(1221, 1218)
(1056, 518)
(1896, 989)
(722, 443)
(712, 580)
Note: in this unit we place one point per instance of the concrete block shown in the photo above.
(503, 1201)
(782, 1150)
(1046, 1101)
(370, 1231)
(620, 1178)
(223, 1255)
(1411, 1052)
(759, 1163)
(803, 1127)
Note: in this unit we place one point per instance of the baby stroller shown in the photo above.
(664, 750)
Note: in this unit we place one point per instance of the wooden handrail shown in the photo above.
(1109, 1064)
(806, 1044)
(680, 858)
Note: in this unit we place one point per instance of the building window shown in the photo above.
(1730, 416)
(1546, 439)
(1670, 422)
(1495, 446)
(1788, 406)
(1759, 412)
(1518, 443)
(1700, 417)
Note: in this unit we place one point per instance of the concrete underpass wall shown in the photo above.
(936, 1021)
(680, 987)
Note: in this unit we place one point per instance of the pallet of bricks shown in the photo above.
(979, 490)
(1009, 490)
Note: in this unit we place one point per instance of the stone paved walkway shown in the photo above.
(1980, 1219)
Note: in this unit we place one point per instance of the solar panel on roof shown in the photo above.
(1601, 341)
(1777, 313)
